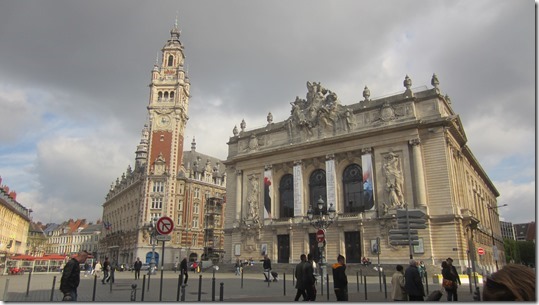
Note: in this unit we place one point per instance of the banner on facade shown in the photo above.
(298, 190)
(330, 183)
(368, 181)
(268, 193)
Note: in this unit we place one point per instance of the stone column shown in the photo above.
(298, 188)
(331, 182)
(239, 176)
(419, 174)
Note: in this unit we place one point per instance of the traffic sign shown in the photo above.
(480, 251)
(320, 235)
(403, 242)
(416, 219)
(163, 237)
(164, 225)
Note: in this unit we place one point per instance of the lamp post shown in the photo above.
(153, 242)
(473, 226)
(494, 248)
(321, 222)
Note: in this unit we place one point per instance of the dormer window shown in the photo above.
(170, 60)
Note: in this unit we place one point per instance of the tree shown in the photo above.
(527, 252)
(511, 248)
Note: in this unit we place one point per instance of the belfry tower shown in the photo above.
(167, 109)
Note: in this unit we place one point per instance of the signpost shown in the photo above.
(408, 222)
(320, 236)
(480, 251)
(164, 226)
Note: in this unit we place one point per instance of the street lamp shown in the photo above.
(471, 249)
(153, 233)
(494, 248)
(322, 222)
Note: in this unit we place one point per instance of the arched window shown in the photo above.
(159, 96)
(352, 180)
(172, 94)
(170, 60)
(286, 196)
(317, 189)
(166, 95)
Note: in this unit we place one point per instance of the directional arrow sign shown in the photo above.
(403, 243)
(403, 237)
(411, 214)
(402, 231)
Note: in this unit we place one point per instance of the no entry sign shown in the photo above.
(164, 225)
(320, 236)
(480, 251)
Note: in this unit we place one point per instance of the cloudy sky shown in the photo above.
(74, 81)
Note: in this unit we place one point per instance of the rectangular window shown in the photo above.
(157, 203)
(197, 192)
(158, 187)
(195, 209)
(195, 222)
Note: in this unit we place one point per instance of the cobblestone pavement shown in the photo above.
(254, 289)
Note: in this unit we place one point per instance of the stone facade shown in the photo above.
(14, 224)
(166, 180)
(367, 159)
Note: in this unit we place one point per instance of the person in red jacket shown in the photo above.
(71, 276)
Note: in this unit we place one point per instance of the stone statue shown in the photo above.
(253, 198)
(235, 130)
(270, 118)
(394, 181)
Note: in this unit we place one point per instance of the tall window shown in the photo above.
(158, 186)
(317, 189)
(170, 60)
(197, 192)
(352, 180)
(157, 202)
(195, 222)
(195, 208)
(286, 196)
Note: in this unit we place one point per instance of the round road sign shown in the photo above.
(480, 251)
(320, 236)
(164, 225)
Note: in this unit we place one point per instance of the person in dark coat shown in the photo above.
(71, 276)
(184, 271)
(448, 275)
(137, 266)
(267, 268)
(299, 278)
(412, 283)
(309, 280)
(340, 281)
(455, 274)
(106, 270)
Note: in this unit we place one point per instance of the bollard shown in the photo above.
(470, 280)
(5, 290)
(269, 278)
(284, 283)
(357, 280)
(322, 282)
(199, 286)
(213, 286)
(110, 284)
(133, 292)
(327, 285)
(161, 281)
(241, 279)
(95, 282)
(361, 275)
(28, 285)
(149, 277)
(143, 286)
(365, 284)
(221, 292)
(380, 277)
(427, 282)
(385, 286)
(180, 280)
(52, 290)
(293, 277)
(183, 293)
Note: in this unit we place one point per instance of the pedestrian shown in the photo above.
(137, 266)
(422, 270)
(237, 267)
(309, 281)
(511, 283)
(398, 292)
(267, 267)
(97, 269)
(299, 278)
(184, 271)
(106, 270)
(449, 282)
(113, 267)
(71, 276)
(412, 282)
(340, 281)
(455, 273)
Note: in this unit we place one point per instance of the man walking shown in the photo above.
(106, 269)
(137, 266)
(309, 280)
(455, 273)
(113, 267)
(397, 284)
(267, 268)
(412, 283)
(340, 281)
(71, 276)
(183, 270)
(299, 278)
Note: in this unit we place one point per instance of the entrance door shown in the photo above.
(283, 245)
(353, 248)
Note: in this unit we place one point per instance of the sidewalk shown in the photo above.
(254, 288)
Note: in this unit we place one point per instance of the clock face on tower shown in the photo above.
(163, 121)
